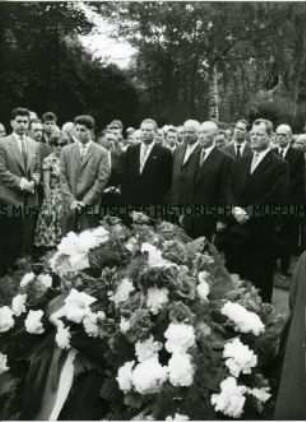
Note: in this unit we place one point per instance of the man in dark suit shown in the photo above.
(84, 175)
(146, 176)
(253, 244)
(185, 161)
(296, 163)
(212, 184)
(19, 178)
(239, 146)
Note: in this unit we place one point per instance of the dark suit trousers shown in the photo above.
(78, 221)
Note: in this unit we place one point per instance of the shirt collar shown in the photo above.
(84, 147)
(262, 154)
(284, 150)
(241, 144)
(208, 150)
(149, 147)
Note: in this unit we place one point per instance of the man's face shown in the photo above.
(117, 133)
(110, 141)
(82, 133)
(259, 137)
(240, 131)
(207, 136)
(220, 141)
(36, 131)
(20, 124)
(49, 126)
(2, 130)
(300, 143)
(189, 134)
(147, 132)
(171, 138)
(283, 136)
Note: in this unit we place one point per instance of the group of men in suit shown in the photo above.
(237, 180)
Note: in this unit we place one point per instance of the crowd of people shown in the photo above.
(242, 186)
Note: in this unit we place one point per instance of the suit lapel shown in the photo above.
(87, 156)
(189, 156)
(201, 169)
(16, 153)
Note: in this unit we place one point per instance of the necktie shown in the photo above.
(238, 153)
(254, 162)
(282, 152)
(83, 153)
(143, 157)
(202, 157)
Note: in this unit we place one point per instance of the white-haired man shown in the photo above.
(185, 162)
(212, 183)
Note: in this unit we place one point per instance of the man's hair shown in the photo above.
(268, 124)
(243, 121)
(151, 121)
(20, 111)
(49, 116)
(85, 120)
(33, 121)
(116, 124)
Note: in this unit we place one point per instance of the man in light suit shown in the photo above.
(19, 179)
(84, 174)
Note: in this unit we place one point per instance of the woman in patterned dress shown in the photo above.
(48, 228)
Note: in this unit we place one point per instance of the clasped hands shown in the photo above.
(27, 185)
(77, 205)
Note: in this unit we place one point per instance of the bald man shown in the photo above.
(213, 182)
(296, 163)
(185, 162)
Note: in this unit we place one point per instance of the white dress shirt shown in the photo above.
(189, 150)
(207, 153)
(257, 158)
(145, 151)
(242, 147)
(283, 151)
(84, 148)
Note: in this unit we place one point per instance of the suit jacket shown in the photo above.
(267, 185)
(230, 149)
(296, 162)
(13, 168)
(84, 180)
(183, 176)
(151, 186)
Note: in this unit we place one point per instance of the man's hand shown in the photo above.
(240, 215)
(77, 205)
(27, 185)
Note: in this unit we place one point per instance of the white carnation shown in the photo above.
(27, 279)
(6, 319)
(261, 394)
(63, 337)
(157, 299)
(155, 258)
(45, 280)
(149, 376)
(33, 323)
(203, 276)
(3, 363)
(203, 290)
(177, 417)
(239, 358)
(147, 349)
(181, 370)
(91, 323)
(124, 376)
(19, 304)
(244, 320)
(77, 305)
(125, 325)
(180, 337)
(123, 291)
(230, 401)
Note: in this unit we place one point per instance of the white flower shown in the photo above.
(33, 322)
(27, 279)
(230, 401)
(203, 290)
(91, 323)
(261, 394)
(45, 280)
(3, 363)
(157, 299)
(177, 417)
(155, 258)
(6, 319)
(19, 304)
(244, 320)
(131, 244)
(147, 349)
(125, 325)
(63, 336)
(181, 370)
(240, 358)
(180, 337)
(77, 305)
(124, 376)
(149, 376)
(203, 276)
(123, 291)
